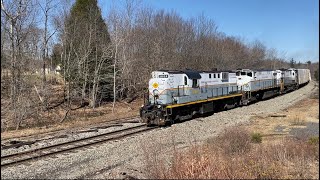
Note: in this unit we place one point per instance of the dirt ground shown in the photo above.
(298, 120)
(81, 118)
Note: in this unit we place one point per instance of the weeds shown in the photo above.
(234, 140)
(298, 121)
(314, 140)
(231, 156)
(256, 138)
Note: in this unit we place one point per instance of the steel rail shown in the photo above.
(71, 145)
(117, 120)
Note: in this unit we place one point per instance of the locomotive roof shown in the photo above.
(258, 70)
(255, 70)
(192, 74)
(286, 69)
(183, 71)
(229, 71)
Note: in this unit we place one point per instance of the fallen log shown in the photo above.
(278, 115)
(17, 144)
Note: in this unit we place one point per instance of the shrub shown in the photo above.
(235, 140)
(256, 138)
(290, 158)
(314, 140)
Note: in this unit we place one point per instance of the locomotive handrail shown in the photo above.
(179, 90)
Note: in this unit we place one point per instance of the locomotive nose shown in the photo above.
(156, 93)
(149, 116)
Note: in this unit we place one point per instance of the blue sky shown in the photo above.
(290, 26)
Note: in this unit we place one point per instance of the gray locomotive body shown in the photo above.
(178, 95)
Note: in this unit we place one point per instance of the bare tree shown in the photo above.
(21, 15)
(46, 8)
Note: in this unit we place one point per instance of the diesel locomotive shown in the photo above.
(179, 95)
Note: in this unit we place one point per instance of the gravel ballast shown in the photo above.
(65, 137)
(125, 158)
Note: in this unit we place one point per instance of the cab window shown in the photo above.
(225, 76)
(185, 81)
(194, 83)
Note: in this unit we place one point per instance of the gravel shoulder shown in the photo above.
(125, 158)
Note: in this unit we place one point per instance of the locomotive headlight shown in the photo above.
(156, 93)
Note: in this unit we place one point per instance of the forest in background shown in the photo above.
(109, 57)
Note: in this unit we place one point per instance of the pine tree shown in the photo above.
(316, 74)
(292, 63)
(88, 62)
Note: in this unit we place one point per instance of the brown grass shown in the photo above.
(219, 158)
(77, 119)
(298, 120)
(234, 140)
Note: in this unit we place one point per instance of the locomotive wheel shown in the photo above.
(141, 120)
(225, 107)
(177, 118)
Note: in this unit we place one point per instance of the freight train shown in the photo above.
(175, 96)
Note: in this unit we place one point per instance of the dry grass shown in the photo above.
(76, 119)
(298, 121)
(219, 158)
(234, 140)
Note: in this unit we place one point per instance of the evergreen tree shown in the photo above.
(299, 65)
(88, 52)
(316, 74)
(292, 63)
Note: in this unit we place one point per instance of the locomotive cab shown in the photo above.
(244, 77)
(290, 79)
(158, 84)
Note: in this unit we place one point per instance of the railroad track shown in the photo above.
(17, 158)
(117, 120)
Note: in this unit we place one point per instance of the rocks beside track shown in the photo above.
(125, 158)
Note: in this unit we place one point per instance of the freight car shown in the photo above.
(303, 76)
(178, 95)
